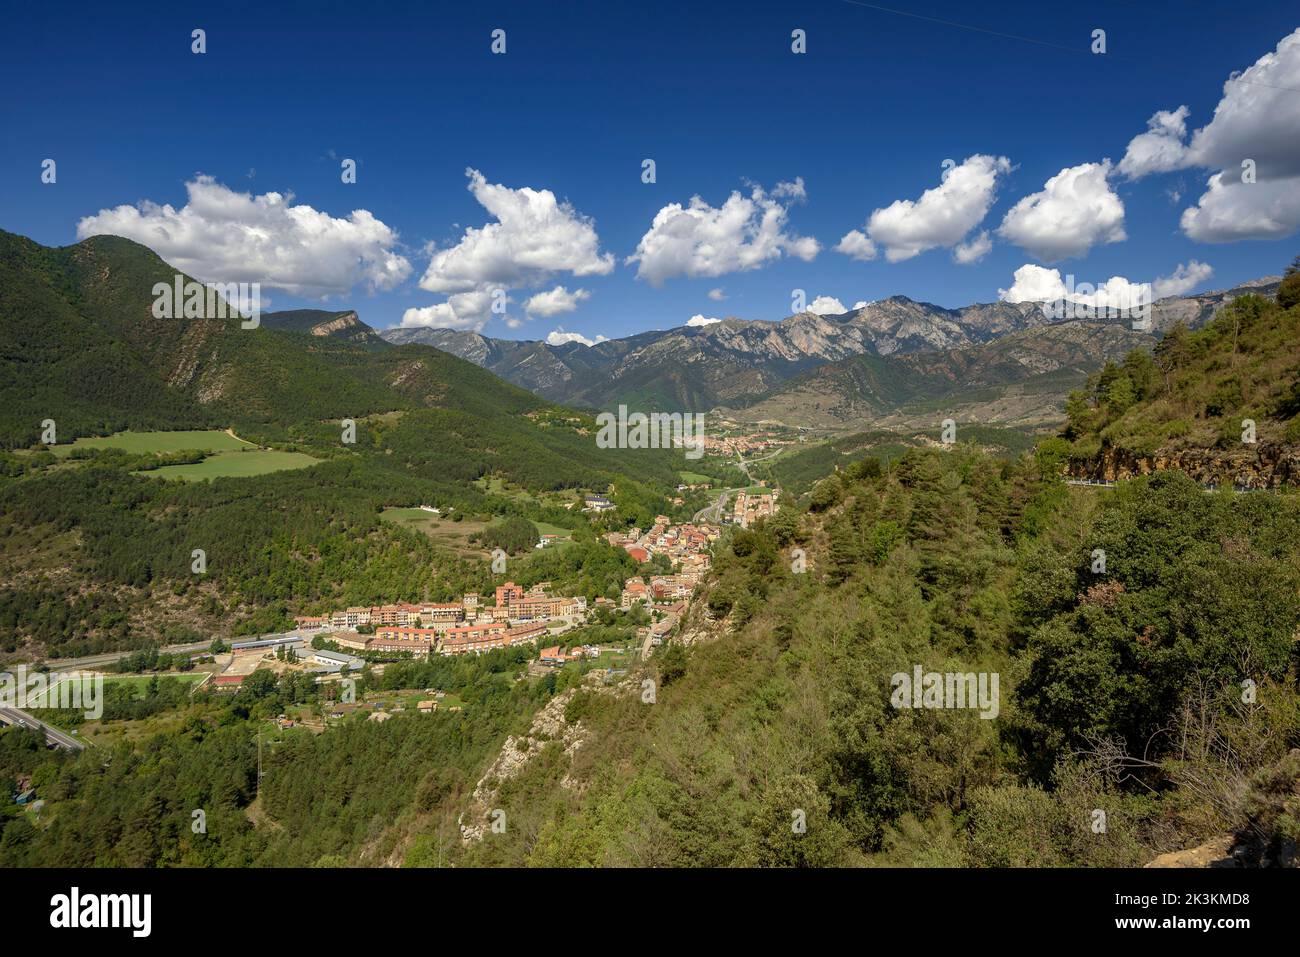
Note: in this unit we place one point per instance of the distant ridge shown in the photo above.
(735, 362)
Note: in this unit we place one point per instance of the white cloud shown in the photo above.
(827, 306)
(1183, 279)
(534, 237)
(1232, 210)
(862, 304)
(973, 251)
(558, 337)
(1076, 210)
(699, 240)
(220, 235)
(555, 302)
(856, 245)
(1255, 120)
(699, 320)
(794, 191)
(462, 310)
(717, 295)
(1160, 148)
(941, 217)
(1034, 283)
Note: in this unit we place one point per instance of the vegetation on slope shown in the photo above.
(1120, 692)
(1196, 389)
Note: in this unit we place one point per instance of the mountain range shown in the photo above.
(828, 370)
(80, 346)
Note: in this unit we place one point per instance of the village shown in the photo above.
(344, 642)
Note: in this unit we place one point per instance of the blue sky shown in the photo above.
(586, 91)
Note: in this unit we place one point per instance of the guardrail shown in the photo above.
(1206, 486)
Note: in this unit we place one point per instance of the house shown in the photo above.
(348, 640)
(634, 590)
(354, 618)
(408, 634)
(597, 503)
(379, 717)
(416, 648)
(427, 707)
(311, 622)
(444, 612)
(554, 656)
(507, 593)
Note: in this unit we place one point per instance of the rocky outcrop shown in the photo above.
(549, 724)
(1262, 466)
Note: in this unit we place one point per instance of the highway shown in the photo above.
(52, 735)
(111, 658)
(1208, 488)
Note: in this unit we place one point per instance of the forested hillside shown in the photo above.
(95, 554)
(1156, 696)
(1188, 404)
(1121, 692)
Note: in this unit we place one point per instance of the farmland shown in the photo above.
(207, 440)
(234, 465)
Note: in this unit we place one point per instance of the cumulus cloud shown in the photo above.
(534, 237)
(973, 251)
(856, 245)
(699, 240)
(862, 304)
(1032, 283)
(555, 302)
(699, 320)
(1160, 148)
(1254, 123)
(462, 310)
(1182, 280)
(1231, 210)
(558, 337)
(717, 295)
(941, 217)
(221, 235)
(1075, 210)
(827, 306)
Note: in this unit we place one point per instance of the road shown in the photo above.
(52, 735)
(713, 513)
(1106, 483)
(111, 658)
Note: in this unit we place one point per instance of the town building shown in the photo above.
(415, 647)
(634, 590)
(334, 661)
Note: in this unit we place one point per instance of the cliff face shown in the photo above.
(1259, 466)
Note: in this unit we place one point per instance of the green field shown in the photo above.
(233, 465)
(546, 528)
(450, 534)
(208, 440)
(138, 682)
(695, 478)
(141, 682)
